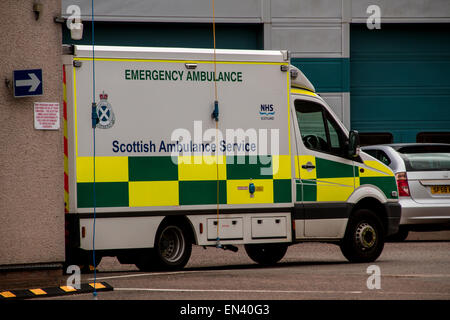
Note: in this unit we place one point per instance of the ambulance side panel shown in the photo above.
(152, 105)
(159, 105)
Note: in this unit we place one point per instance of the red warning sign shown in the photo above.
(46, 115)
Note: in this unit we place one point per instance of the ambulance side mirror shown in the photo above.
(353, 144)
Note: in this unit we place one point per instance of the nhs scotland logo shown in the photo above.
(267, 111)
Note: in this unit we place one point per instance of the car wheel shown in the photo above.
(364, 237)
(266, 254)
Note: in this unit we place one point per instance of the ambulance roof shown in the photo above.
(124, 52)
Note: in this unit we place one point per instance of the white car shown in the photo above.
(422, 171)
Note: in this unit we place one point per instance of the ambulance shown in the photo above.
(166, 148)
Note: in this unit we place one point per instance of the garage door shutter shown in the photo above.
(400, 79)
(191, 35)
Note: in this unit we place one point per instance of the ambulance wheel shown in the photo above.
(172, 249)
(266, 254)
(364, 237)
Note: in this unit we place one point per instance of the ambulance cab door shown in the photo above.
(326, 172)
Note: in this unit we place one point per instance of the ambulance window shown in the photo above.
(312, 125)
(336, 137)
(318, 129)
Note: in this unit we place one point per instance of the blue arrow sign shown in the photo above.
(27, 83)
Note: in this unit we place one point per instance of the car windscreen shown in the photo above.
(426, 158)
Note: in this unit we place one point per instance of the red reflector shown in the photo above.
(83, 232)
(402, 184)
(201, 227)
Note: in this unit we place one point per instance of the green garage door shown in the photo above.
(400, 82)
(192, 35)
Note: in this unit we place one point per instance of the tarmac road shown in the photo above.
(409, 270)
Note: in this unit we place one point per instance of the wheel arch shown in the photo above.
(373, 204)
(367, 191)
(180, 220)
(372, 198)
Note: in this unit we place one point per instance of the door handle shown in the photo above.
(308, 166)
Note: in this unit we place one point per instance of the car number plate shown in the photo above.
(440, 189)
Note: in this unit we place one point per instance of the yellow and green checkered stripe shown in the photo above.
(382, 177)
(160, 181)
(330, 181)
(335, 181)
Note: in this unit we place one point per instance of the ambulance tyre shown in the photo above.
(266, 254)
(173, 247)
(364, 237)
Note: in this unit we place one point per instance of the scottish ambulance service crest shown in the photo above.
(105, 113)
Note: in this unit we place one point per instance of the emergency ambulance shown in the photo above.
(172, 147)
